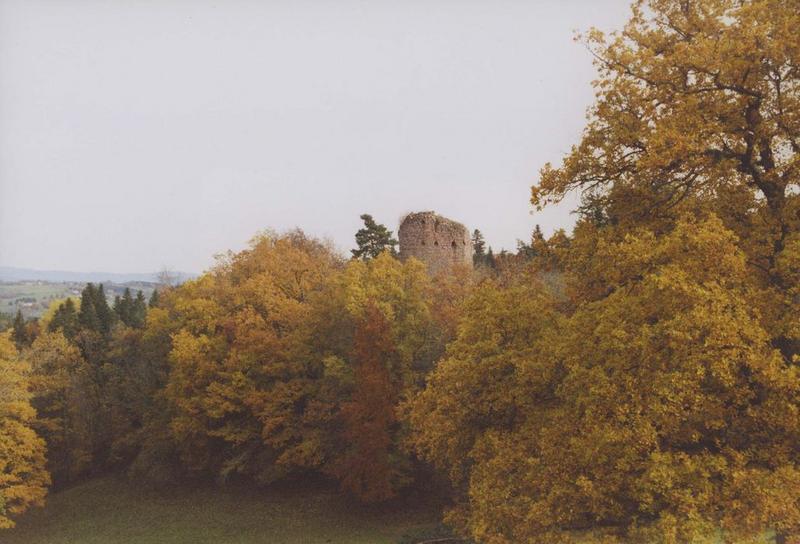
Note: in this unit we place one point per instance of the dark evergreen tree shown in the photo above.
(20, 333)
(124, 307)
(528, 251)
(65, 319)
(491, 261)
(373, 239)
(87, 317)
(478, 248)
(138, 311)
(537, 235)
(105, 317)
(154, 299)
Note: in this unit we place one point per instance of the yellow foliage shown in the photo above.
(658, 413)
(399, 290)
(23, 478)
(241, 364)
(698, 108)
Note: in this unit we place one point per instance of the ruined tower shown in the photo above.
(437, 241)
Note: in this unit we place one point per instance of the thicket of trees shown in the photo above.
(652, 396)
(635, 381)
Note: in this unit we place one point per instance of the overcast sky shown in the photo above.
(141, 135)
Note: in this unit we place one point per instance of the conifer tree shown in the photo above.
(478, 248)
(124, 308)
(88, 314)
(66, 319)
(104, 316)
(20, 334)
(491, 261)
(154, 299)
(373, 239)
(138, 311)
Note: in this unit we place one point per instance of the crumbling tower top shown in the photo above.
(438, 242)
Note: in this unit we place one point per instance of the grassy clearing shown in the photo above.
(111, 511)
(31, 297)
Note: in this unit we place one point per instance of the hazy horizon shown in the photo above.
(139, 136)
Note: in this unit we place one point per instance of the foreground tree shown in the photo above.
(699, 108)
(657, 413)
(694, 99)
(23, 478)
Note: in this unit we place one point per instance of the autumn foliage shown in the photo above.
(635, 380)
(654, 413)
(654, 396)
(367, 467)
(23, 478)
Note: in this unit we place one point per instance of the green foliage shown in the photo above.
(65, 396)
(130, 311)
(87, 316)
(478, 248)
(373, 239)
(139, 312)
(123, 306)
(65, 319)
(154, 298)
(19, 333)
(95, 314)
(104, 314)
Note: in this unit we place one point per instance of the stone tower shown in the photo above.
(435, 240)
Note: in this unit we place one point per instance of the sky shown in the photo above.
(142, 135)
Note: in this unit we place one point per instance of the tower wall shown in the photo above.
(438, 242)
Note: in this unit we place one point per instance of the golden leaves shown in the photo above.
(23, 478)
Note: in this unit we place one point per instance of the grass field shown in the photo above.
(110, 511)
(15, 296)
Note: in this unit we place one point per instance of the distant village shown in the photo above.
(34, 297)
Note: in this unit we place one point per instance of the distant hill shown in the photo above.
(9, 273)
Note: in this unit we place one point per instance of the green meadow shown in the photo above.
(110, 510)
